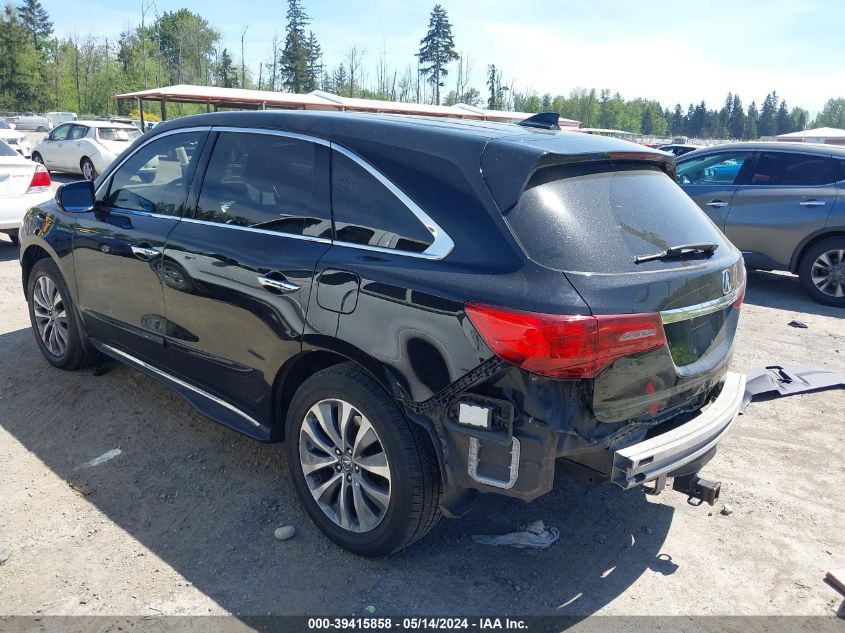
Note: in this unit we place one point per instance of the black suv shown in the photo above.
(423, 310)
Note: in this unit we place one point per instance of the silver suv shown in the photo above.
(781, 204)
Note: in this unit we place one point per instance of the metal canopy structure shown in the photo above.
(242, 99)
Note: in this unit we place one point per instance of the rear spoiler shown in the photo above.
(508, 163)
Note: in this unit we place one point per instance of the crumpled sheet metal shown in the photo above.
(536, 535)
(787, 380)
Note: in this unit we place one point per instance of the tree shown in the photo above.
(832, 114)
(676, 128)
(783, 122)
(295, 58)
(767, 124)
(315, 62)
(186, 45)
(736, 125)
(20, 65)
(227, 74)
(35, 19)
(496, 100)
(751, 120)
(437, 49)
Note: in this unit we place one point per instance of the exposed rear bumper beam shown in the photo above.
(669, 452)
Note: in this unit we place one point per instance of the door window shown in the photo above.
(792, 169)
(367, 212)
(840, 169)
(266, 181)
(155, 178)
(60, 133)
(712, 169)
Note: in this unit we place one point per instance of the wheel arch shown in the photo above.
(812, 240)
(32, 255)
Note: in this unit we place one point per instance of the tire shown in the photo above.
(89, 172)
(70, 348)
(401, 449)
(822, 272)
(37, 158)
(41, 128)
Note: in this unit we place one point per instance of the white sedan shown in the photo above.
(85, 147)
(23, 184)
(16, 139)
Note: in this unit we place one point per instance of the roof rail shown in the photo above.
(543, 120)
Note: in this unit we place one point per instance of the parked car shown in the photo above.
(23, 184)
(18, 141)
(86, 147)
(678, 150)
(33, 122)
(423, 310)
(57, 118)
(781, 204)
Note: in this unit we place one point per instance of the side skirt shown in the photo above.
(208, 404)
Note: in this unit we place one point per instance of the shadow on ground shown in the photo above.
(207, 500)
(783, 291)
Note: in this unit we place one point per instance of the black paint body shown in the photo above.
(197, 313)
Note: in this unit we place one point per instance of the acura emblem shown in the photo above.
(726, 281)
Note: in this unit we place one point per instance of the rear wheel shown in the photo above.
(88, 170)
(822, 271)
(37, 158)
(54, 320)
(367, 476)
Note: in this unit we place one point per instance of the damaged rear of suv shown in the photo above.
(423, 310)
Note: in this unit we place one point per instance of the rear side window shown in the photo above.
(367, 212)
(266, 181)
(792, 169)
(840, 169)
(712, 169)
(599, 218)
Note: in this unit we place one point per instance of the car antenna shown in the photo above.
(543, 120)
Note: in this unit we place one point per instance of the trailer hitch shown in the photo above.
(698, 490)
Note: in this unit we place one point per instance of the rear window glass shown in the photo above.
(599, 218)
(5, 150)
(118, 133)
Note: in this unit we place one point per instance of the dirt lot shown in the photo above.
(182, 520)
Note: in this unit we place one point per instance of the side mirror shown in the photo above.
(76, 197)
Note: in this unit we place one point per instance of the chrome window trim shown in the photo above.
(438, 249)
(442, 244)
(700, 309)
(296, 236)
(180, 382)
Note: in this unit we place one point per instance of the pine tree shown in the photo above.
(767, 125)
(295, 59)
(737, 120)
(20, 65)
(227, 73)
(315, 62)
(677, 126)
(35, 19)
(751, 120)
(437, 49)
(496, 100)
(783, 122)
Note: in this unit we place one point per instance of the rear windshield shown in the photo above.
(600, 217)
(5, 150)
(118, 133)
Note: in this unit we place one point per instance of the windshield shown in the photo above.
(124, 134)
(600, 218)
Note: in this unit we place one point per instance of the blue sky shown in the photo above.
(674, 51)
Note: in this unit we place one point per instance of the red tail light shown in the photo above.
(40, 180)
(563, 346)
(738, 301)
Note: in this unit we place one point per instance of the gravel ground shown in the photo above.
(182, 520)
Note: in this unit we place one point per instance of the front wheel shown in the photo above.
(368, 477)
(53, 318)
(37, 158)
(822, 272)
(88, 170)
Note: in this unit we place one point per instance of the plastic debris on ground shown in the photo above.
(798, 324)
(536, 535)
(786, 380)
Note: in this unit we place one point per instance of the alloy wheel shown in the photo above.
(87, 170)
(50, 315)
(828, 273)
(345, 465)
